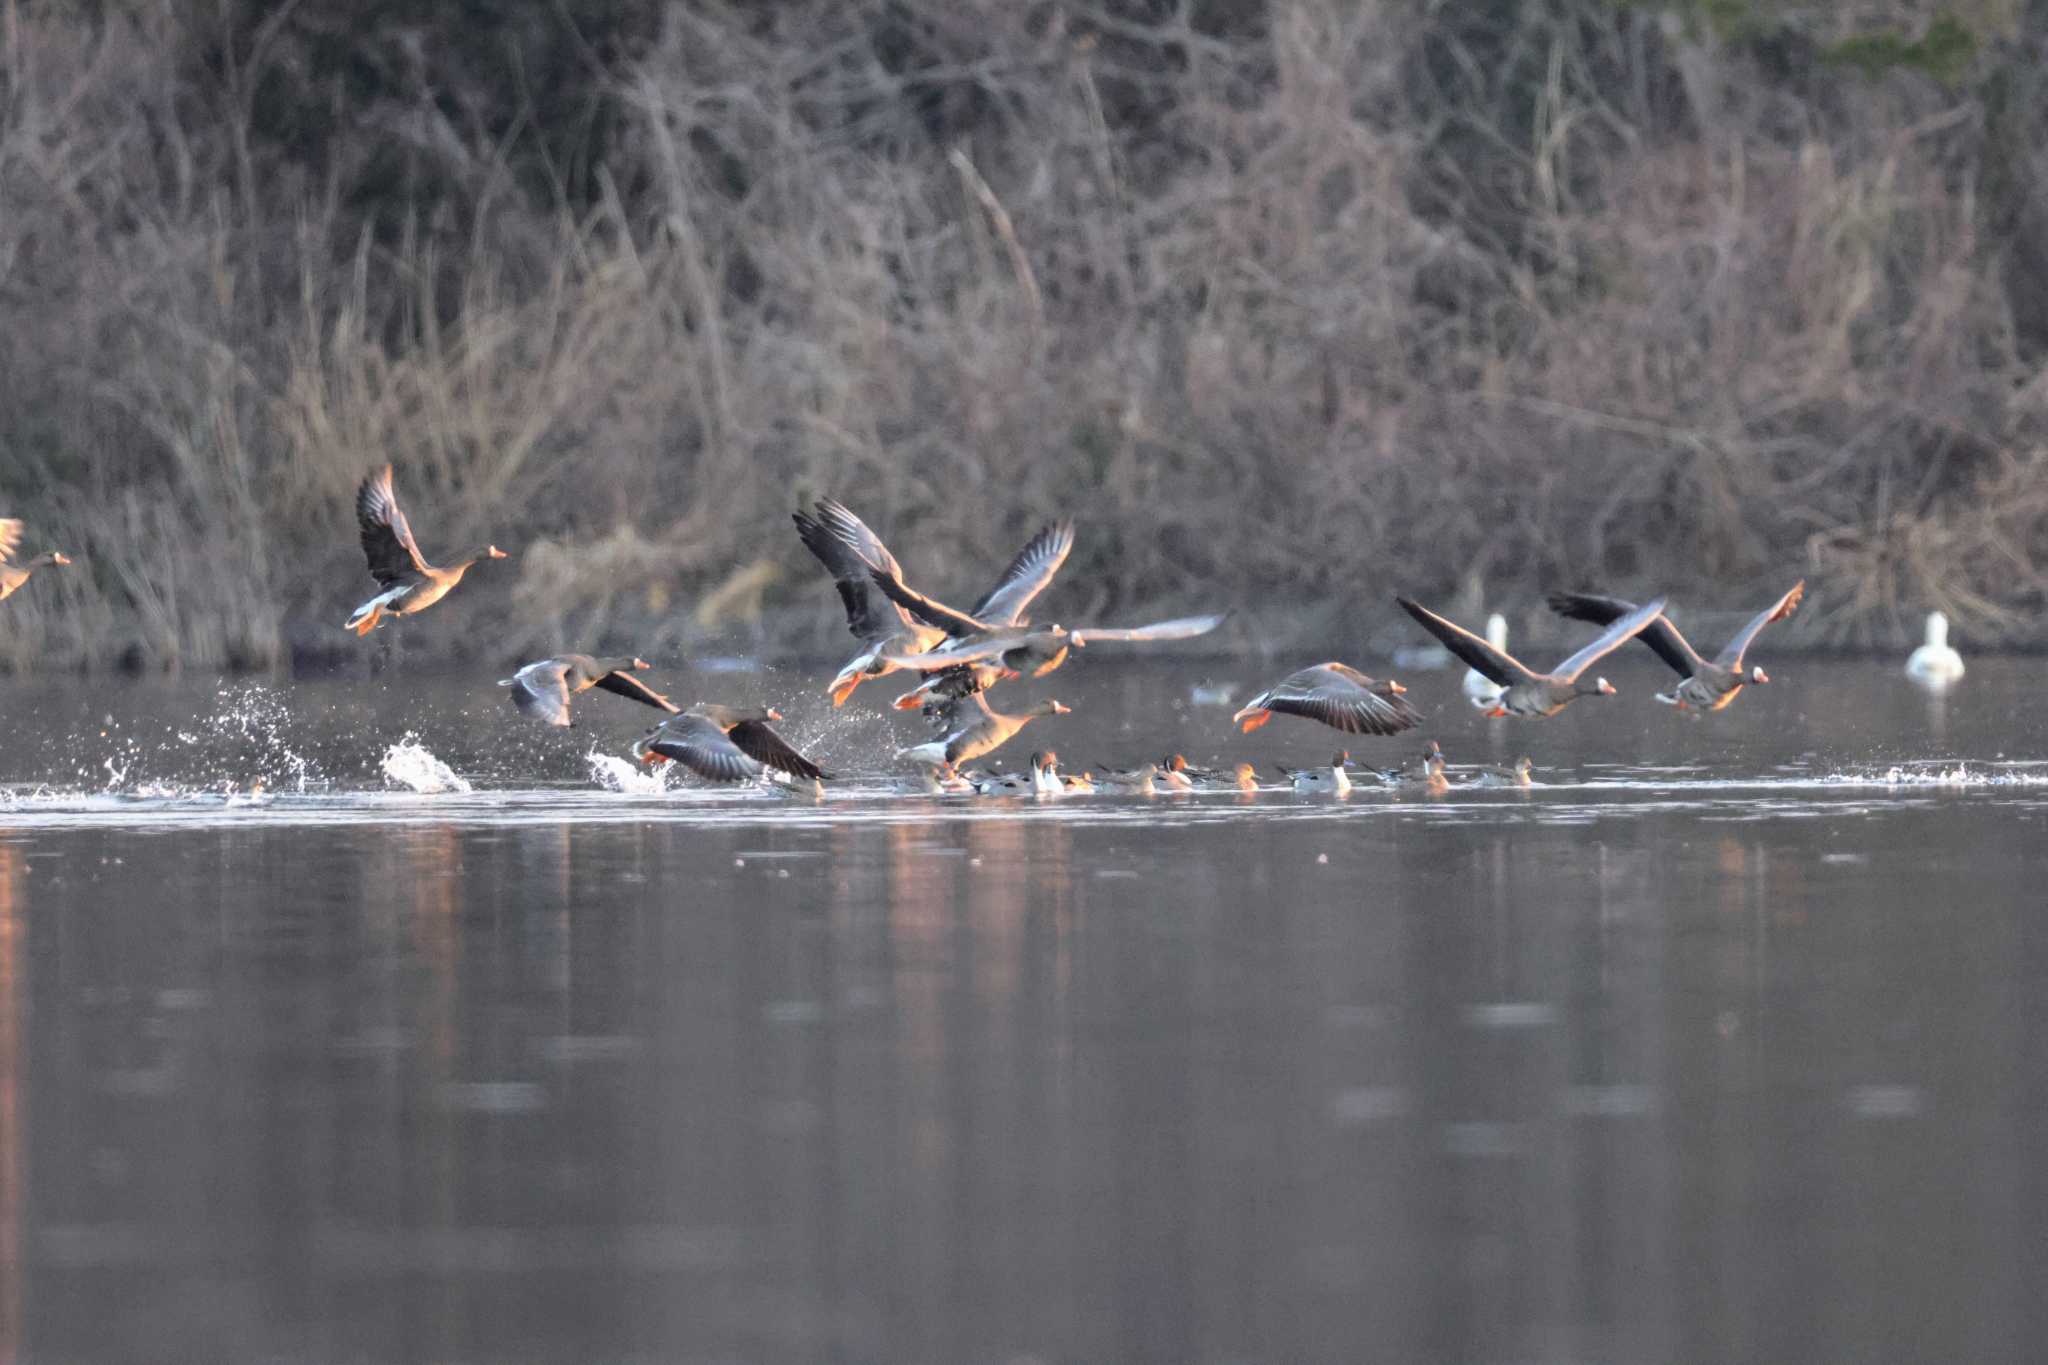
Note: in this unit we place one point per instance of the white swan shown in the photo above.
(1481, 690)
(1935, 664)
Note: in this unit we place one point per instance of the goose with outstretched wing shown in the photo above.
(13, 575)
(846, 547)
(1338, 696)
(409, 583)
(725, 744)
(1704, 684)
(1525, 692)
(542, 689)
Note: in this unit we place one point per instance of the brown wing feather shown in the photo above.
(1731, 653)
(1660, 635)
(848, 549)
(1503, 668)
(932, 613)
(759, 742)
(626, 685)
(542, 692)
(703, 748)
(1026, 577)
(10, 538)
(1329, 694)
(388, 545)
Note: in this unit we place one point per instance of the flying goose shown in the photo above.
(1038, 650)
(1002, 607)
(1337, 695)
(724, 744)
(1330, 779)
(1481, 690)
(1933, 665)
(984, 732)
(542, 689)
(12, 575)
(1705, 684)
(846, 547)
(410, 583)
(1523, 691)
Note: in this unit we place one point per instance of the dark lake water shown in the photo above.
(1723, 1044)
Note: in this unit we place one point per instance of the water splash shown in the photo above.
(252, 723)
(411, 764)
(244, 740)
(1938, 775)
(623, 775)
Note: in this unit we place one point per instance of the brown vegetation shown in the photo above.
(1330, 296)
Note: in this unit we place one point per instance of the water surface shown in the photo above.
(1720, 1045)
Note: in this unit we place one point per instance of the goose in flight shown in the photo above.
(542, 689)
(410, 583)
(1337, 695)
(1525, 692)
(725, 744)
(1704, 684)
(984, 733)
(846, 547)
(1481, 690)
(13, 575)
(954, 677)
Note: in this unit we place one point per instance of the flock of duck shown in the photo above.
(959, 656)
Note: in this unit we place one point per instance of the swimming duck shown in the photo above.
(1933, 665)
(1428, 776)
(1525, 692)
(985, 732)
(12, 576)
(542, 690)
(1337, 695)
(1704, 684)
(1416, 769)
(1137, 781)
(1517, 776)
(1331, 779)
(1043, 779)
(1482, 691)
(410, 583)
(846, 547)
(936, 782)
(724, 744)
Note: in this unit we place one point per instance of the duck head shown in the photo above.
(1757, 675)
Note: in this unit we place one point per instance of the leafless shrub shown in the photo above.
(1305, 302)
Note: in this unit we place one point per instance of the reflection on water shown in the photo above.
(1643, 1066)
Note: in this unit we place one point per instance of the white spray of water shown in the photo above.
(623, 775)
(251, 724)
(411, 764)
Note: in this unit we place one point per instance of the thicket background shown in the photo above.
(1307, 300)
